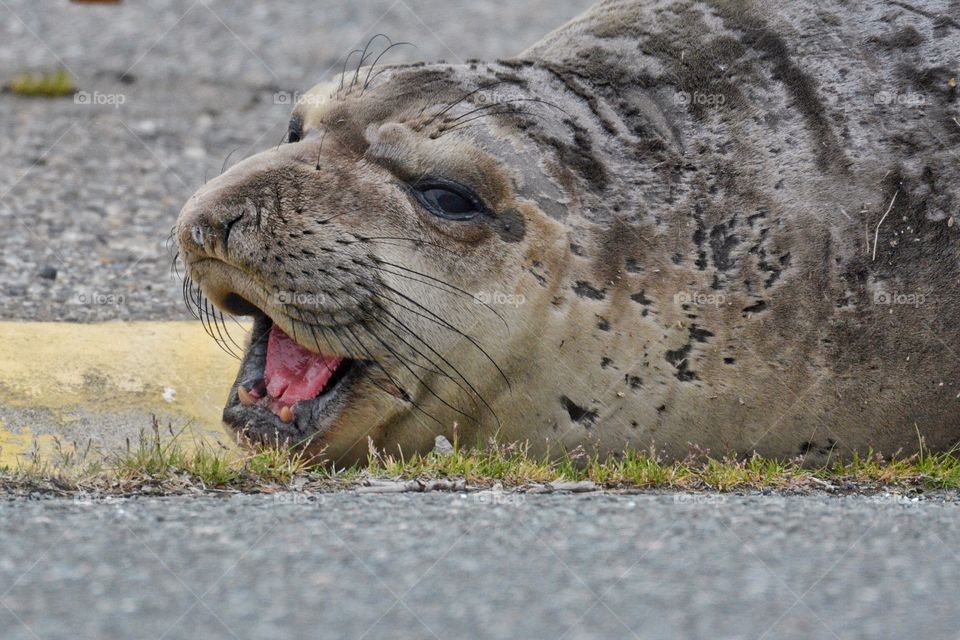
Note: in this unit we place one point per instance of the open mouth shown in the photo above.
(284, 389)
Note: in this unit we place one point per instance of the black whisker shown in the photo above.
(226, 330)
(423, 383)
(502, 112)
(187, 298)
(450, 287)
(472, 389)
(375, 362)
(226, 160)
(458, 101)
(320, 150)
(206, 318)
(363, 57)
(343, 72)
(439, 355)
(417, 241)
(515, 100)
(366, 81)
(433, 317)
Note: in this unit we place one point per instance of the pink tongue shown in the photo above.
(294, 373)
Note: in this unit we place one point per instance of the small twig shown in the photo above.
(876, 236)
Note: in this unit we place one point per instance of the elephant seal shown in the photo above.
(669, 223)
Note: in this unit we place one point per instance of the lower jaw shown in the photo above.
(310, 418)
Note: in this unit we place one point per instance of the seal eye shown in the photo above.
(448, 200)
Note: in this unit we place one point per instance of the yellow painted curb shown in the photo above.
(100, 383)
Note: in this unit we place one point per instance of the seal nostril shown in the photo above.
(197, 234)
(229, 228)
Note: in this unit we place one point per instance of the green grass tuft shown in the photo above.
(164, 463)
(45, 85)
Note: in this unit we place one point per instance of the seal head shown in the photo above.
(371, 249)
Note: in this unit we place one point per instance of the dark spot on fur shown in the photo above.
(641, 298)
(680, 361)
(587, 290)
(938, 20)
(541, 280)
(699, 237)
(571, 84)
(603, 324)
(576, 249)
(634, 382)
(577, 413)
(516, 63)
(729, 360)
(509, 225)
(619, 239)
(700, 335)
(773, 269)
(577, 155)
(632, 266)
(904, 38)
(760, 214)
(722, 243)
(756, 307)
(605, 362)
(933, 80)
(510, 78)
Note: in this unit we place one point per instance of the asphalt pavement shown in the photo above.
(480, 565)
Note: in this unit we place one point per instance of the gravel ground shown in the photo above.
(358, 566)
(90, 191)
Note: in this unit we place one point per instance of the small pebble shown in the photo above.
(442, 446)
(48, 273)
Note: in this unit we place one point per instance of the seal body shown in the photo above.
(719, 224)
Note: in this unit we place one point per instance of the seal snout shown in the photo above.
(205, 225)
